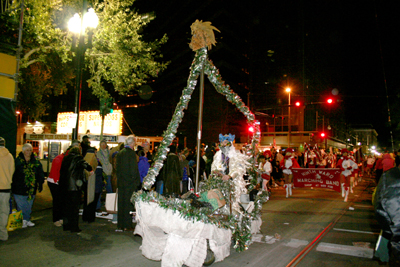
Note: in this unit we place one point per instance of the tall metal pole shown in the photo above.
(78, 82)
(289, 124)
(199, 127)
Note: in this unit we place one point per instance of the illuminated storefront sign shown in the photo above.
(90, 120)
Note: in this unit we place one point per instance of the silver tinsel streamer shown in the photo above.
(169, 134)
(240, 227)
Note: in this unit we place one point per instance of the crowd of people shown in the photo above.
(124, 167)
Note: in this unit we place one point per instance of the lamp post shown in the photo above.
(78, 27)
(289, 130)
(19, 119)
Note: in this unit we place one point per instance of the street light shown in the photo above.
(78, 27)
(19, 119)
(288, 91)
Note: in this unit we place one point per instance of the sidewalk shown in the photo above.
(47, 245)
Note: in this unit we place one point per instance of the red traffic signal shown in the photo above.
(329, 101)
(322, 135)
(251, 129)
(297, 103)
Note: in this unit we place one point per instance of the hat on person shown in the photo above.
(267, 153)
(2, 142)
(290, 150)
(344, 150)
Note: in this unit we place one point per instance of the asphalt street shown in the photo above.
(289, 227)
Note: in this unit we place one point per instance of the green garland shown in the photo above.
(200, 61)
(29, 170)
(240, 227)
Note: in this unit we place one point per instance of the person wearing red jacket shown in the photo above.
(52, 182)
(347, 166)
(378, 168)
(287, 164)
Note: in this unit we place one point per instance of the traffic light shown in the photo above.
(106, 106)
(322, 135)
(329, 100)
(251, 129)
(297, 103)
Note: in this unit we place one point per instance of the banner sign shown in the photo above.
(318, 177)
(90, 121)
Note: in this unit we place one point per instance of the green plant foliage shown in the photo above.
(118, 56)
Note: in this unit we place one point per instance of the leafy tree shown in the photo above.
(119, 54)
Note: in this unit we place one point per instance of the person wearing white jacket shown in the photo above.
(265, 168)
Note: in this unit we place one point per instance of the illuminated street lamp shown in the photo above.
(78, 27)
(288, 91)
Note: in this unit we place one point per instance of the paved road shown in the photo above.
(297, 221)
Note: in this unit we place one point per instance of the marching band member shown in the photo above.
(286, 165)
(266, 168)
(347, 166)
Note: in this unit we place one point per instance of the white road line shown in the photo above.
(346, 250)
(356, 231)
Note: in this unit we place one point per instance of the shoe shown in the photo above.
(58, 224)
(114, 222)
(27, 223)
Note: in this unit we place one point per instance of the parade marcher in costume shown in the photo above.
(287, 164)
(310, 158)
(231, 164)
(330, 159)
(265, 168)
(346, 165)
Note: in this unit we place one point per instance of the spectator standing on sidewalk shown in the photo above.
(7, 167)
(143, 164)
(103, 155)
(72, 177)
(387, 205)
(128, 179)
(52, 182)
(27, 179)
(172, 173)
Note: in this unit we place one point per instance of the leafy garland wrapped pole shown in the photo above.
(240, 225)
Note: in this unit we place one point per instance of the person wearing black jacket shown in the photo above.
(27, 179)
(387, 211)
(128, 180)
(72, 178)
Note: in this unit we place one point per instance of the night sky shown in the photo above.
(347, 45)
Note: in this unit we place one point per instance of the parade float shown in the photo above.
(201, 227)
